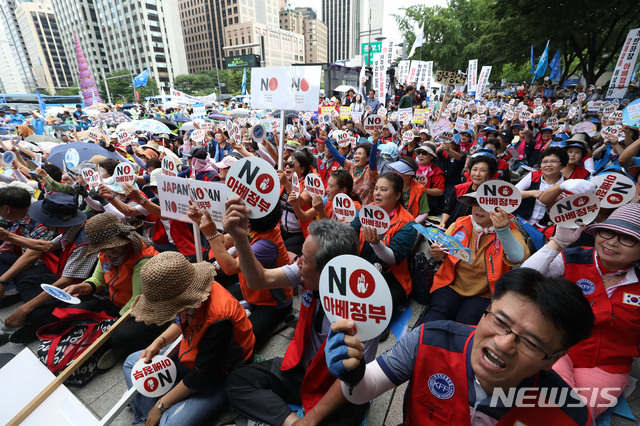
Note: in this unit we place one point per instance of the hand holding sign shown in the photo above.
(498, 193)
(60, 294)
(256, 182)
(375, 217)
(575, 211)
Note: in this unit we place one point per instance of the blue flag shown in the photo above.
(243, 88)
(556, 67)
(141, 79)
(543, 63)
(532, 60)
(42, 105)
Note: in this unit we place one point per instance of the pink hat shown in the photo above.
(226, 162)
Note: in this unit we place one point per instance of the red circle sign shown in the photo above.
(264, 183)
(614, 198)
(580, 201)
(505, 191)
(361, 283)
(151, 384)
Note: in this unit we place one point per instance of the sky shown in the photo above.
(389, 27)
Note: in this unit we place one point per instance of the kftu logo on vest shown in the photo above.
(441, 386)
(307, 296)
(586, 286)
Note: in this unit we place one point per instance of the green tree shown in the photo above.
(515, 73)
(205, 82)
(121, 87)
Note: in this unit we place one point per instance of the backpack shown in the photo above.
(64, 340)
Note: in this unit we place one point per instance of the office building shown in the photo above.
(15, 42)
(10, 77)
(282, 48)
(304, 21)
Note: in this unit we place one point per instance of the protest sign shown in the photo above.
(257, 184)
(199, 111)
(581, 97)
(612, 132)
(407, 136)
(452, 244)
(538, 110)
(461, 124)
(173, 193)
(71, 158)
(419, 116)
(95, 134)
(623, 73)
(344, 208)
(313, 184)
(450, 78)
(91, 178)
(124, 173)
(209, 196)
(585, 127)
(373, 123)
(382, 111)
(482, 81)
(498, 193)
(169, 166)
(375, 217)
(405, 115)
(356, 117)
(345, 112)
(558, 103)
(327, 110)
(234, 132)
(509, 115)
(552, 121)
(342, 138)
(295, 184)
(440, 126)
(472, 74)
(352, 288)
(296, 88)
(608, 109)
(197, 137)
(493, 111)
(616, 116)
(126, 138)
(524, 116)
(154, 379)
(9, 157)
(631, 114)
(576, 210)
(613, 189)
(537, 102)
(206, 126)
(593, 107)
(60, 294)
(482, 108)
(446, 136)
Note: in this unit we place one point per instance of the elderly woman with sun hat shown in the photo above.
(607, 274)
(216, 337)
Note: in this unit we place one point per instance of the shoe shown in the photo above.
(385, 334)
(24, 335)
(110, 358)
(9, 299)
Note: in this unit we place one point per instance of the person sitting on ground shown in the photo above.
(462, 375)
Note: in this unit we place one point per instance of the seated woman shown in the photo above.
(392, 248)
(268, 307)
(431, 176)
(414, 195)
(481, 168)
(607, 274)
(577, 151)
(461, 291)
(216, 338)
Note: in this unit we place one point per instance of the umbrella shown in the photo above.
(56, 110)
(129, 106)
(223, 98)
(345, 88)
(187, 126)
(170, 124)
(47, 146)
(86, 151)
(151, 126)
(92, 112)
(99, 105)
(127, 126)
(109, 119)
(43, 138)
(170, 104)
(239, 112)
(182, 119)
(218, 116)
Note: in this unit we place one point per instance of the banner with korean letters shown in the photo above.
(482, 81)
(623, 72)
(472, 76)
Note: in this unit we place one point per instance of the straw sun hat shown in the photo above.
(105, 231)
(170, 285)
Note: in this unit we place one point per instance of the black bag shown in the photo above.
(422, 272)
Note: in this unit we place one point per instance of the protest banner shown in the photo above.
(472, 76)
(173, 195)
(450, 78)
(91, 178)
(498, 193)
(352, 288)
(373, 123)
(575, 210)
(482, 81)
(313, 184)
(344, 208)
(452, 244)
(295, 184)
(413, 70)
(613, 189)
(405, 115)
(382, 111)
(375, 217)
(210, 197)
(440, 126)
(345, 112)
(9, 157)
(199, 111)
(197, 137)
(461, 124)
(623, 72)
(631, 114)
(126, 138)
(155, 378)
(124, 173)
(419, 116)
(427, 76)
(169, 166)
(257, 184)
(296, 88)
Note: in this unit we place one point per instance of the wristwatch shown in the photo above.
(161, 406)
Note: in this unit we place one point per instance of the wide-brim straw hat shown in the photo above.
(105, 231)
(170, 285)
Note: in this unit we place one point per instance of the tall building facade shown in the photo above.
(16, 43)
(304, 21)
(346, 20)
(10, 76)
(204, 25)
(281, 48)
(43, 44)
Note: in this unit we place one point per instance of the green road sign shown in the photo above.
(376, 47)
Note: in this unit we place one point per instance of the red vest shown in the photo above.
(159, 232)
(462, 189)
(118, 278)
(325, 172)
(182, 235)
(439, 391)
(219, 306)
(266, 296)
(616, 332)
(579, 173)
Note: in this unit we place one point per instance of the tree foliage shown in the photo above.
(590, 33)
(121, 89)
(206, 82)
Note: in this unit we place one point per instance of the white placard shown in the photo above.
(623, 73)
(498, 193)
(296, 88)
(9, 157)
(154, 379)
(407, 136)
(613, 132)
(482, 81)
(461, 124)
(313, 185)
(524, 116)
(576, 210)
(552, 121)
(375, 217)
(352, 288)
(173, 193)
(124, 173)
(295, 184)
(373, 123)
(405, 115)
(440, 126)
(538, 110)
(125, 138)
(197, 137)
(169, 166)
(257, 184)
(585, 127)
(91, 178)
(613, 189)
(342, 138)
(344, 208)
(209, 196)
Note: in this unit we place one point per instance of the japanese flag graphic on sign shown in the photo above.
(313, 185)
(296, 88)
(576, 210)
(352, 288)
(173, 193)
(154, 379)
(257, 184)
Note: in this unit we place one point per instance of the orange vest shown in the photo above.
(118, 278)
(401, 270)
(219, 306)
(417, 189)
(271, 297)
(495, 267)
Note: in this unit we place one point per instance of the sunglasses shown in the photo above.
(289, 164)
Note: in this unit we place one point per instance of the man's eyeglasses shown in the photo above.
(623, 239)
(523, 344)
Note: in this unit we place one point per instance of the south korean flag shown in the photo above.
(631, 299)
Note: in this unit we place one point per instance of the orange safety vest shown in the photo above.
(416, 191)
(494, 265)
(118, 278)
(219, 306)
(272, 297)
(401, 270)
